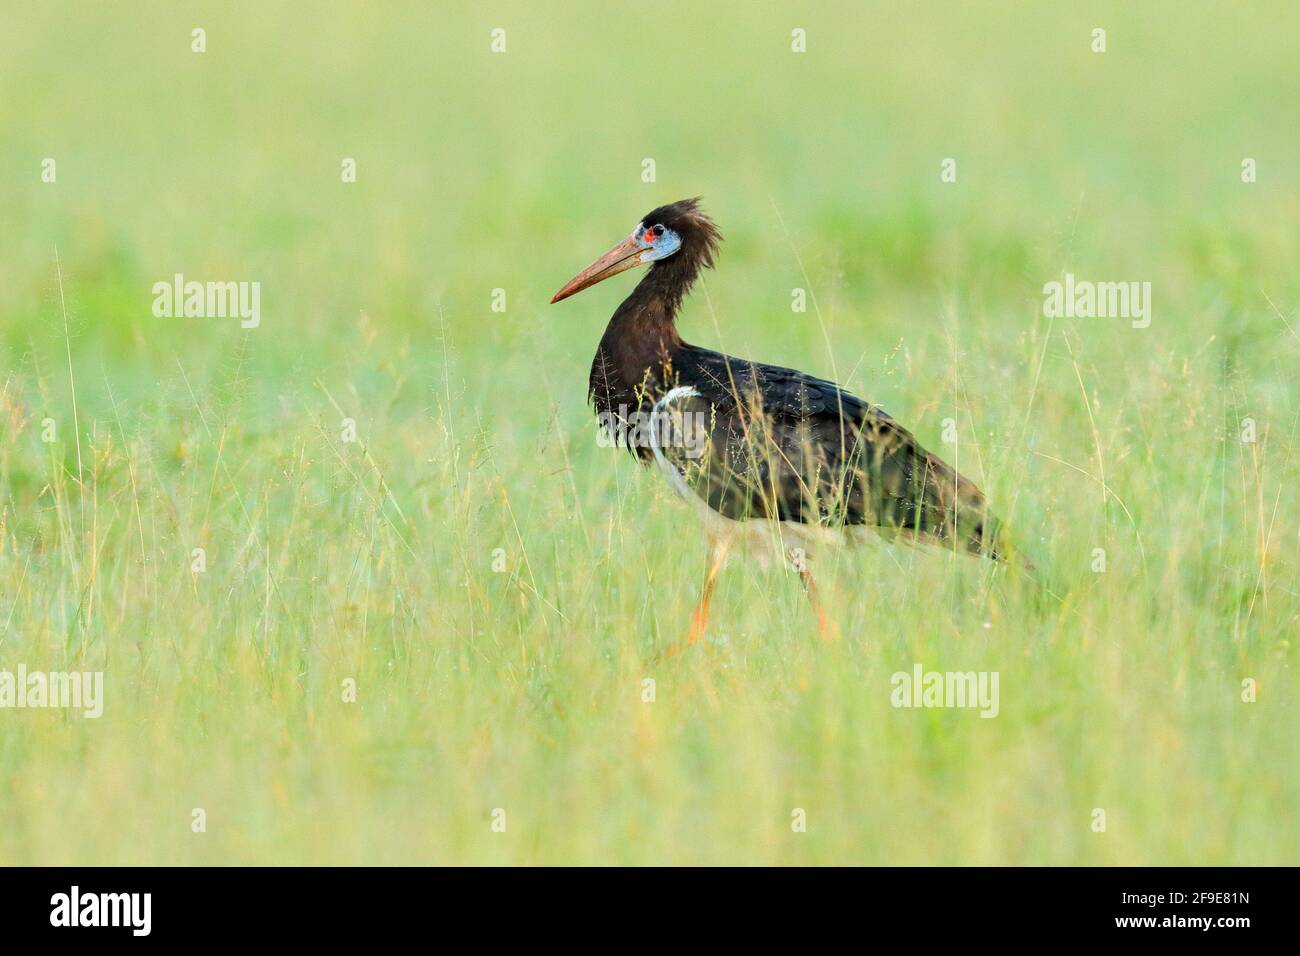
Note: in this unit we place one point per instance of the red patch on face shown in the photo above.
(649, 235)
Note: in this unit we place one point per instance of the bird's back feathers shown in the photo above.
(787, 445)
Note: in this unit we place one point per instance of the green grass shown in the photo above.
(522, 690)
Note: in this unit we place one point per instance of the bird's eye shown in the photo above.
(659, 230)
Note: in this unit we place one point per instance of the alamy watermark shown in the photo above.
(71, 690)
(1082, 299)
(675, 429)
(129, 910)
(923, 688)
(208, 300)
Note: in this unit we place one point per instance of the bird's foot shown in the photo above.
(698, 628)
(673, 650)
(827, 629)
(695, 635)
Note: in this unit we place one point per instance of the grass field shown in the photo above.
(493, 582)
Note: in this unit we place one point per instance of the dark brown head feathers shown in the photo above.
(700, 234)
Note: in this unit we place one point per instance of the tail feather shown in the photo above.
(948, 507)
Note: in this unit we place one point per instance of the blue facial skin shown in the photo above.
(661, 248)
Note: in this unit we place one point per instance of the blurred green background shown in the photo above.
(522, 688)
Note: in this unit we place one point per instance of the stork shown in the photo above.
(790, 462)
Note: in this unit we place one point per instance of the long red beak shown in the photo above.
(622, 257)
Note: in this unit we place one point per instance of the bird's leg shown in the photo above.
(825, 627)
(718, 548)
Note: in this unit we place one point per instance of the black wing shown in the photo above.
(787, 445)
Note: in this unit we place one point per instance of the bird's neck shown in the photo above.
(646, 322)
(667, 283)
(636, 352)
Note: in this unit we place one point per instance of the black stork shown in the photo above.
(787, 461)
